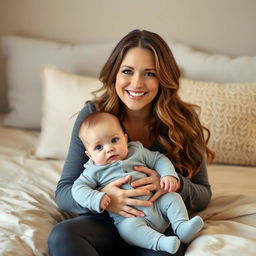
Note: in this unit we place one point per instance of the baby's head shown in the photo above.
(103, 137)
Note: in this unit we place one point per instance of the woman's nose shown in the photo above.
(137, 81)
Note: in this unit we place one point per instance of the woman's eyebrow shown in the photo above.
(150, 69)
(125, 66)
(146, 69)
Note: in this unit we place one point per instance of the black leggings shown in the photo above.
(94, 235)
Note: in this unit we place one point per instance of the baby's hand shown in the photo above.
(169, 183)
(105, 201)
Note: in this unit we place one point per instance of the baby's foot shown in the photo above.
(169, 244)
(188, 229)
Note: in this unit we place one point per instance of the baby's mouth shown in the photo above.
(113, 157)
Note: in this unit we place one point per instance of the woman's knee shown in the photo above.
(60, 233)
(71, 237)
(83, 232)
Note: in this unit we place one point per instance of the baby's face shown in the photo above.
(106, 143)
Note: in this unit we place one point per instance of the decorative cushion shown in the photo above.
(24, 60)
(229, 111)
(64, 94)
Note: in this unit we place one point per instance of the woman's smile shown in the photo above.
(136, 94)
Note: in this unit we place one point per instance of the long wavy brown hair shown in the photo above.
(175, 123)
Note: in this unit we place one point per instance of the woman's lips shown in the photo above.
(136, 94)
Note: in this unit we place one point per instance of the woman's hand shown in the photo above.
(120, 200)
(151, 182)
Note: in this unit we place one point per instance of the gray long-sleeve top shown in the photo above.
(196, 192)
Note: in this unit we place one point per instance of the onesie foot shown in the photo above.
(187, 230)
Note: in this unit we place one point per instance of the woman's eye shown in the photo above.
(115, 140)
(98, 147)
(127, 71)
(150, 74)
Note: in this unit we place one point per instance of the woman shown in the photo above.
(140, 86)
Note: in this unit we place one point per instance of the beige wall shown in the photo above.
(216, 26)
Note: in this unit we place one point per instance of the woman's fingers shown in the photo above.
(131, 212)
(141, 182)
(149, 187)
(121, 181)
(128, 211)
(157, 195)
(152, 177)
(144, 169)
(137, 202)
(125, 214)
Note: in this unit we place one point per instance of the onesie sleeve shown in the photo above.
(73, 167)
(84, 192)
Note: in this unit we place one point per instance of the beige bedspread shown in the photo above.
(28, 211)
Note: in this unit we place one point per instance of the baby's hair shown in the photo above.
(94, 118)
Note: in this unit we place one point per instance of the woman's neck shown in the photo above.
(136, 124)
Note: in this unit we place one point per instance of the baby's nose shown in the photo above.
(109, 148)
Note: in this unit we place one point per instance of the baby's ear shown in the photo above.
(126, 137)
(87, 153)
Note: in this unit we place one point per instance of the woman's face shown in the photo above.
(136, 81)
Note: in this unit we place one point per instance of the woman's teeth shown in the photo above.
(136, 94)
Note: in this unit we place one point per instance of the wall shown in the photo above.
(216, 26)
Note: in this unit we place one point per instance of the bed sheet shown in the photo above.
(28, 211)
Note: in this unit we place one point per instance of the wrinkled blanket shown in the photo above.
(28, 211)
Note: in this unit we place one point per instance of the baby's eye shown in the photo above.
(98, 147)
(115, 140)
(150, 74)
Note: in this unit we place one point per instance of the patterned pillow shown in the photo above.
(229, 111)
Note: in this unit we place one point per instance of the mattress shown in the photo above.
(28, 210)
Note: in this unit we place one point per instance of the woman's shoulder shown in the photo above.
(87, 109)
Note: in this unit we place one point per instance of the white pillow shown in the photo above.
(25, 58)
(64, 95)
(229, 111)
(197, 65)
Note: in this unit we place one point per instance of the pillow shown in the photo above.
(198, 65)
(229, 111)
(24, 59)
(64, 94)
(26, 56)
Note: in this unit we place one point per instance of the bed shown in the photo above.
(55, 79)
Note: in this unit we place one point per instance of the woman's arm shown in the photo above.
(121, 201)
(73, 167)
(196, 192)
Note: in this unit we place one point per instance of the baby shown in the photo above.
(112, 157)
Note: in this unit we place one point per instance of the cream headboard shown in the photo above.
(225, 27)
